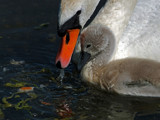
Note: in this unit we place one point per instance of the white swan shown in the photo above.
(139, 40)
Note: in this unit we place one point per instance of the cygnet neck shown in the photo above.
(104, 56)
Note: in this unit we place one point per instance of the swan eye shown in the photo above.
(88, 46)
(78, 12)
(67, 38)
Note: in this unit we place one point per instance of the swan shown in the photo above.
(128, 34)
(126, 76)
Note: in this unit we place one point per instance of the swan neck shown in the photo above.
(115, 15)
(90, 70)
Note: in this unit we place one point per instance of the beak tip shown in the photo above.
(61, 65)
(58, 65)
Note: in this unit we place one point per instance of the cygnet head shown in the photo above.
(97, 45)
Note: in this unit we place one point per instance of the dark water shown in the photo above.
(28, 46)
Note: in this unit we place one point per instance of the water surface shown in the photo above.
(28, 46)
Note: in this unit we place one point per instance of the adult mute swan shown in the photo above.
(120, 60)
(74, 15)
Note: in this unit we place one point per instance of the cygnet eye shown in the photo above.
(88, 46)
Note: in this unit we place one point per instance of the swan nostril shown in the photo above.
(58, 65)
(67, 38)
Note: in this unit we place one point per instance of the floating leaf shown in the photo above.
(14, 62)
(25, 89)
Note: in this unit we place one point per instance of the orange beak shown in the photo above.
(67, 47)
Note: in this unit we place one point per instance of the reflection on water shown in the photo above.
(28, 46)
(113, 107)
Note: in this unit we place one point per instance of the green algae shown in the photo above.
(17, 85)
(32, 95)
(52, 78)
(21, 105)
(41, 26)
(1, 115)
(6, 104)
(17, 96)
(16, 100)
(52, 37)
(45, 70)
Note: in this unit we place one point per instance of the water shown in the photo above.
(28, 46)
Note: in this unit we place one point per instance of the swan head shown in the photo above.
(97, 48)
(97, 45)
(73, 16)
